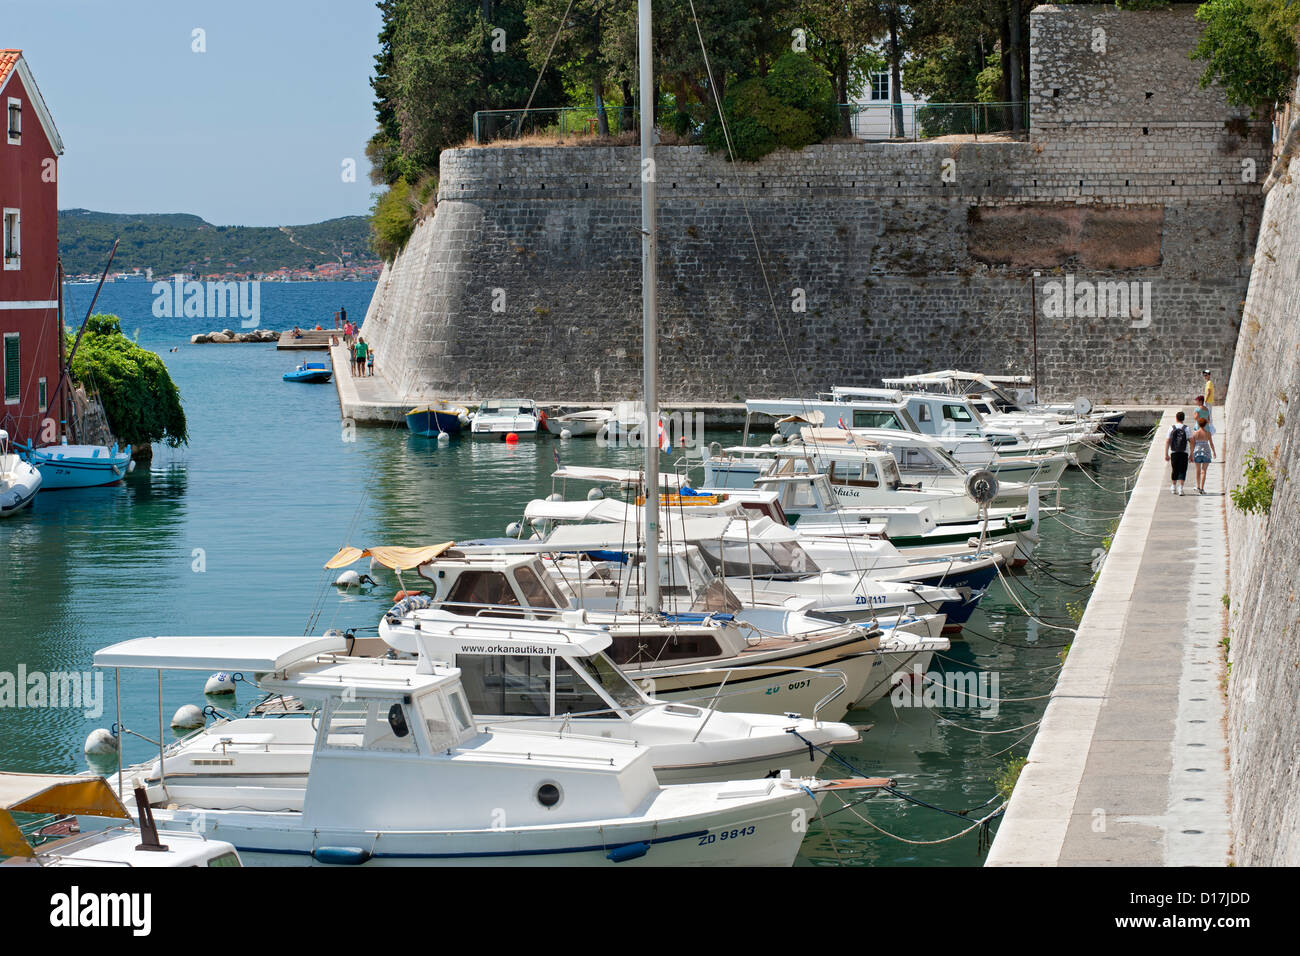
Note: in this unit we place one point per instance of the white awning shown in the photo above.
(623, 476)
(237, 653)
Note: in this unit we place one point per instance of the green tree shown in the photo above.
(140, 399)
(792, 106)
(1250, 49)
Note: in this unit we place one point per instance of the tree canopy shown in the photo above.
(141, 402)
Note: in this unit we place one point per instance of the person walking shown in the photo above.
(362, 348)
(1209, 389)
(343, 314)
(1203, 411)
(1202, 452)
(1176, 453)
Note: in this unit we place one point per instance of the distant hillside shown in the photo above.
(176, 242)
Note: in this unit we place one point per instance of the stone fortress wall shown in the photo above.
(880, 258)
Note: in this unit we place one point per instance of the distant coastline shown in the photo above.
(159, 246)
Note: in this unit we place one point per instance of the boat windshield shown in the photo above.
(778, 559)
(605, 673)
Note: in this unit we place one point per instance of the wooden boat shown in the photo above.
(438, 418)
(312, 372)
(78, 466)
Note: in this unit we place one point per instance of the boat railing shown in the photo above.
(727, 673)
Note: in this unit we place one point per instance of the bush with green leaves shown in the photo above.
(141, 402)
(1256, 495)
(392, 220)
(1250, 49)
(792, 106)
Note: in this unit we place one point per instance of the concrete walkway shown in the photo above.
(1129, 766)
(368, 400)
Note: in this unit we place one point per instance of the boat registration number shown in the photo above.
(726, 835)
(793, 685)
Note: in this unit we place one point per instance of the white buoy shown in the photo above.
(778, 439)
(513, 529)
(219, 683)
(130, 467)
(555, 497)
(443, 438)
(595, 494)
(188, 717)
(566, 433)
(348, 579)
(100, 742)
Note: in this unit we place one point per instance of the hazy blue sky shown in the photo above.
(252, 132)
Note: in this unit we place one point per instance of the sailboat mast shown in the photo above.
(649, 306)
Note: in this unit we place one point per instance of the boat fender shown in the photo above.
(555, 496)
(187, 717)
(628, 851)
(565, 433)
(443, 438)
(219, 683)
(511, 439)
(513, 529)
(340, 855)
(101, 741)
(595, 494)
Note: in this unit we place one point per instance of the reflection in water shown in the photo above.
(229, 535)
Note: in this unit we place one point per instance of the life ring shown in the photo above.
(403, 595)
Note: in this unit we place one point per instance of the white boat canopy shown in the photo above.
(623, 476)
(608, 510)
(235, 653)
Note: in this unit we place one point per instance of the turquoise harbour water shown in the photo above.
(228, 535)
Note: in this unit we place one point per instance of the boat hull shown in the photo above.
(748, 833)
(19, 483)
(78, 466)
(430, 422)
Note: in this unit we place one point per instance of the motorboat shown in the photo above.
(78, 466)
(437, 418)
(390, 769)
(544, 674)
(311, 372)
(580, 424)
(994, 397)
(19, 480)
(499, 417)
(712, 651)
(117, 843)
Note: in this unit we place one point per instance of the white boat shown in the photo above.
(506, 416)
(712, 651)
(19, 480)
(580, 424)
(533, 675)
(397, 774)
(118, 843)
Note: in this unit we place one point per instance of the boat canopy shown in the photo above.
(396, 558)
(623, 476)
(607, 510)
(235, 653)
(61, 794)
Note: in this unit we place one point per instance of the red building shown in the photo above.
(30, 339)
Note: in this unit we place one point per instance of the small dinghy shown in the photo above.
(437, 418)
(19, 481)
(78, 466)
(309, 372)
(580, 424)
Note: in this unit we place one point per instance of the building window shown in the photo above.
(12, 369)
(12, 228)
(880, 85)
(41, 394)
(15, 121)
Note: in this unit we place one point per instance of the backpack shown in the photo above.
(1178, 440)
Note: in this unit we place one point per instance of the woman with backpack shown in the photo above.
(1176, 454)
(1202, 453)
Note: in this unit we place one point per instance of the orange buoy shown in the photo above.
(403, 595)
(512, 439)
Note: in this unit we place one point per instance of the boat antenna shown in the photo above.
(63, 373)
(649, 305)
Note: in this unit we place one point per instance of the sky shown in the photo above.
(254, 131)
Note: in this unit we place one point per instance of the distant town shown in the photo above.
(325, 272)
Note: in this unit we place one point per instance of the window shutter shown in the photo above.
(12, 390)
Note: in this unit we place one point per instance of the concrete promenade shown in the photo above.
(1129, 766)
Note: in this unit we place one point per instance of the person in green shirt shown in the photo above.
(362, 348)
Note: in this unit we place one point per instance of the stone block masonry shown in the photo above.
(840, 264)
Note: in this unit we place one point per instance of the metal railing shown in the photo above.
(866, 121)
